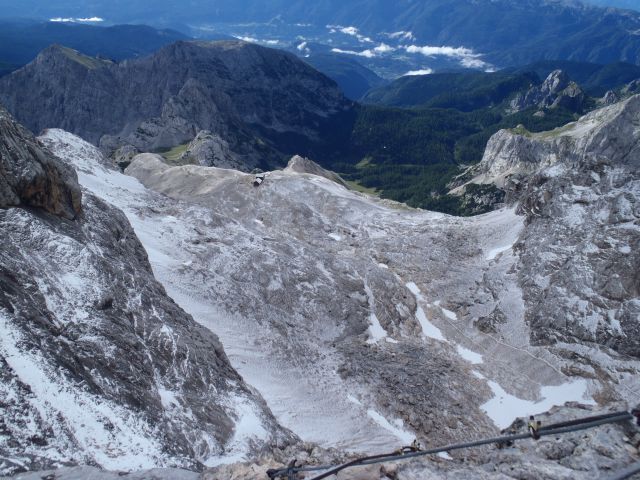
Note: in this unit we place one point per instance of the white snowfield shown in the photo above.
(303, 280)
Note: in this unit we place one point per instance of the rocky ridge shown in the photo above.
(279, 103)
(98, 365)
(557, 90)
(211, 150)
(585, 176)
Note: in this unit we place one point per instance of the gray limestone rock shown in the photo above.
(557, 90)
(299, 164)
(579, 188)
(609, 98)
(210, 150)
(31, 176)
(123, 156)
(365, 324)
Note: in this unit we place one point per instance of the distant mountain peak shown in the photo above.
(57, 51)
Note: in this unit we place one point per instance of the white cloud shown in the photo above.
(473, 63)
(368, 53)
(446, 51)
(401, 35)
(467, 57)
(364, 53)
(74, 20)
(351, 31)
(383, 48)
(424, 71)
(248, 39)
(302, 46)
(257, 40)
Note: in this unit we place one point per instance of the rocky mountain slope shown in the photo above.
(261, 102)
(98, 365)
(557, 90)
(585, 176)
(365, 324)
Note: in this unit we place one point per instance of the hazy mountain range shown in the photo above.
(520, 31)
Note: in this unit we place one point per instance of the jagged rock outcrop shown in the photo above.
(97, 364)
(30, 176)
(632, 88)
(262, 102)
(556, 91)
(609, 98)
(579, 189)
(210, 150)
(122, 156)
(299, 164)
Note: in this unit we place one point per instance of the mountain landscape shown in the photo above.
(251, 240)
(407, 154)
(388, 36)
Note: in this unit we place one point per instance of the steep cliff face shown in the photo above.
(556, 91)
(578, 188)
(98, 365)
(30, 176)
(280, 104)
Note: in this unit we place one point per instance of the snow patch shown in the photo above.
(469, 355)
(428, 328)
(503, 408)
(248, 428)
(494, 252)
(376, 331)
(397, 428)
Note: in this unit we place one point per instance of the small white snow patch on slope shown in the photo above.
(504, 228)
(503, 408)
(376, 331)
(397, 429)
(128, 444)
(248, 427)
(447, 313)
(335, 237)
(428, 328)
(469, 355)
